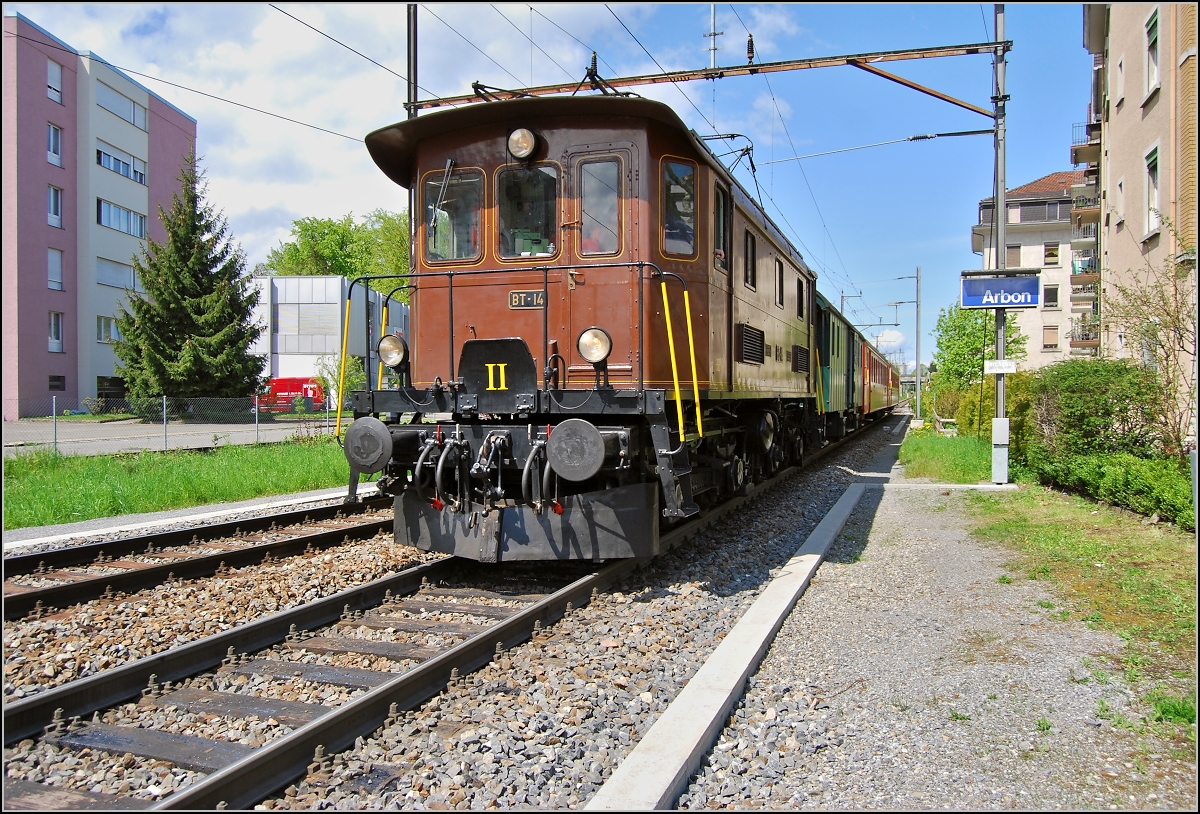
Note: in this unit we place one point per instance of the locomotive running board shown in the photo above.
(609, 524)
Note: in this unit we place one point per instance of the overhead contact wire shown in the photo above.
(473, 45)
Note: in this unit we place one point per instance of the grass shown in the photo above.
(1112, 571)
(43, 488)
(957, 459)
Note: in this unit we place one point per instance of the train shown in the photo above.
(608, 335)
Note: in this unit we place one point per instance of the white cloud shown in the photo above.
(890, 339)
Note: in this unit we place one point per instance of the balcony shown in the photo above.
(1084, 294)
(1085, 143)
(1085, 334)
(1083, 237)
(1084, 262)
(1085, 209)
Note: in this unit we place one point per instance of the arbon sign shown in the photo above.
(1001, 292)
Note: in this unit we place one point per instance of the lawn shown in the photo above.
(957, 459)
(43, 488)
(1112, 569)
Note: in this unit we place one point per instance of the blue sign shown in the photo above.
(1001, 292)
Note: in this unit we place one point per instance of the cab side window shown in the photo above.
(679, 208)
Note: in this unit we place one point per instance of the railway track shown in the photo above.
(41, 583)
(421, 635)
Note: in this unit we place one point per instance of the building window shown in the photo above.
(110, 387)
(1050, 254)
(54, 80)
(121, 105)
(1152, 191)
(1121, 80)
(1050, 296)
(56, 332)
(54, 145)
(54, 278)
(679, 208)
(106, 330)
(800, 297)
(1012, 257)
(750, 271)
(1050, 337)
(117, 275)
(120, 218)
(54, 207)
(779, 282)
(58, 383)
(120, 162)
(1152, 52)
(1120, 196)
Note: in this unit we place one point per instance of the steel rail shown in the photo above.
(20, 605)
(86, 554)
(280, 762)
(27, 717)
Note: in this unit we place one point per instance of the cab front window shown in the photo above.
(527, 204)
(452, 208)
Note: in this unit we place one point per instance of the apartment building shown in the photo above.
(90, 155)
(1139, 146)
(1040, 236)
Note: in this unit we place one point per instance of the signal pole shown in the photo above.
(1000, 423)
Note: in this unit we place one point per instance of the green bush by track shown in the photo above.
(44, 489)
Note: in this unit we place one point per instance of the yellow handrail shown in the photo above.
(687, 309)
(337, 430)
(674, 366)
(382, 331)
(820, 383)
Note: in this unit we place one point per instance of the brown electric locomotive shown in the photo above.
(607, 335)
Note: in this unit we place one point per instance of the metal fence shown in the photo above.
(95, 426)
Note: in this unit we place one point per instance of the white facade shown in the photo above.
(304, 317)
(1038, 236)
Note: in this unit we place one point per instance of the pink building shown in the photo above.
(89, 156)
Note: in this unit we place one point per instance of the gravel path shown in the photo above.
(546, 724)
(908, 676)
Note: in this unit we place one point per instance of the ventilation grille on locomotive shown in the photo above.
(799, 359)
(749, 343)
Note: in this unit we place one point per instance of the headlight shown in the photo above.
(393, 350)
(594, 345)
(521, 143)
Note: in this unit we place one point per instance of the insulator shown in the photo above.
(750, 48)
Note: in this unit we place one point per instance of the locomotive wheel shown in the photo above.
(737, 476)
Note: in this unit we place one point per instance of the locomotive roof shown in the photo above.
(394, 148)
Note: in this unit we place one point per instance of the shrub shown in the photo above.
(975, 419)
(1145, 485)
(1093, 406)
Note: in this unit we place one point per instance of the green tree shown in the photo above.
(965, 338)
(189, 335)
(323, 246)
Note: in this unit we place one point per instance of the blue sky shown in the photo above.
(861, 218)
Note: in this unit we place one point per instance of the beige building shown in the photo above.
(1139, 145)
(1038, 236)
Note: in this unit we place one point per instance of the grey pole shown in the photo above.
(164, 423)
(1000, 423)
(256, 418)
(918, 343)
(54, 420)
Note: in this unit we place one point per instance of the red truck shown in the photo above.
(280, 394)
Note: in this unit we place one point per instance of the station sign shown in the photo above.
(994, 366)
(1001, 292)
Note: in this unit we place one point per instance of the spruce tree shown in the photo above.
(189, 334)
